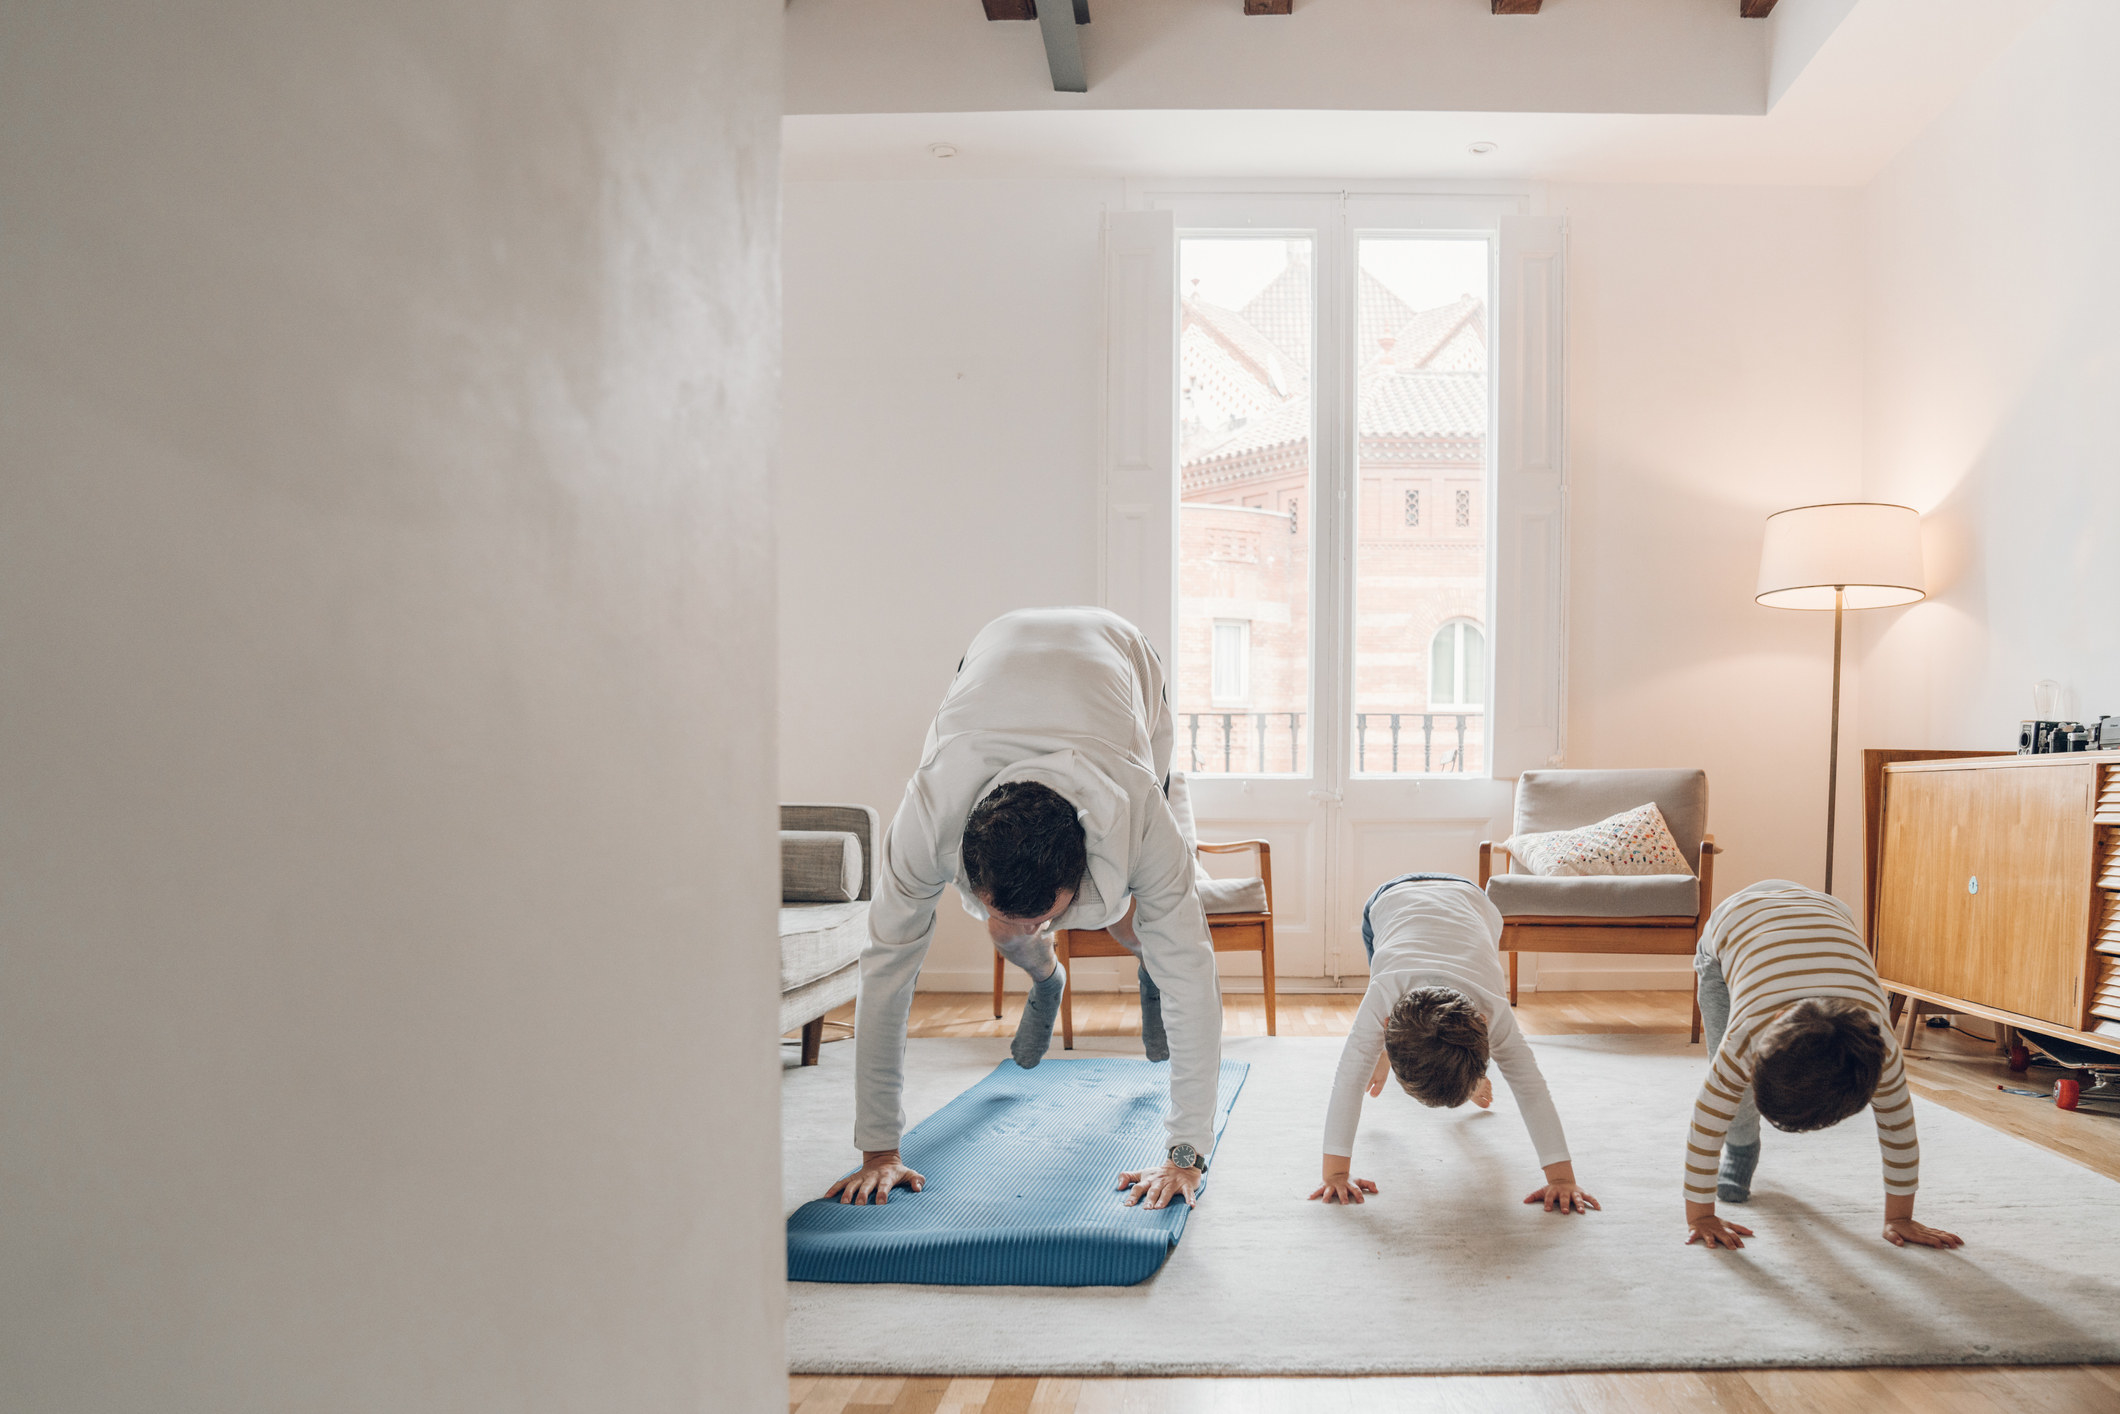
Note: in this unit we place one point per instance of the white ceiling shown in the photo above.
(1836, 88)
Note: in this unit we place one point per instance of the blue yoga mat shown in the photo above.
(1021, 1186)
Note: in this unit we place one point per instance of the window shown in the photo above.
(1457, 666)
(1334, 352)
(1422, 399)
(1232, 662)
(1245, 329)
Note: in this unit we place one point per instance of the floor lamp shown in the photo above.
(1848, 555)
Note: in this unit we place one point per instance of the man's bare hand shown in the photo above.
(1159, 1185)
(881, 1170)
(1712, 1231)
(1339, 1188)
(1900, 1231)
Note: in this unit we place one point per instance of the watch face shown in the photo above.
(1183, 1155)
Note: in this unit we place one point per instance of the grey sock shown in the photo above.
(1034, 1033)
(1734, 1183)
(1152, 1038)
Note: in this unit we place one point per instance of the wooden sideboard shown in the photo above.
(1994, 887)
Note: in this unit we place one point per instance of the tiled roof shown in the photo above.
(1395, 402)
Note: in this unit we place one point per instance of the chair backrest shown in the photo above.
(1568, 800)
(860, 821)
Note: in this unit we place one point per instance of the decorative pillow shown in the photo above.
(819, 866)
(1634, 841)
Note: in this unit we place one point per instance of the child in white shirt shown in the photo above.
(1433, 1014)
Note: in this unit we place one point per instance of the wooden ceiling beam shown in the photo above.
(1755, 9)
(1267, 7)
(1516, 7)
(1011, 9)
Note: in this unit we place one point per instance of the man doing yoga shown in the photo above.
(1040, 795)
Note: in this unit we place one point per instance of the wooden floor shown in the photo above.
(1952, 1069)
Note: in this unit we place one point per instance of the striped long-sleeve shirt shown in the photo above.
(1780, 944)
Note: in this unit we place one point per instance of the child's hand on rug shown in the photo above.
(881, 1170)
(1160, 1185)
(1483, 1093)
(1708, 1230)
(1376, 1076)
(1338, 1187)
(1562, 1194)
(1900, 1227)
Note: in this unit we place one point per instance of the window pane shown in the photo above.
(1420, 659)
(1244, 429)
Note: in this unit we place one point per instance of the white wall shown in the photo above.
(1715, 376)
(386, 558)
(943, 412)
(1993, 301)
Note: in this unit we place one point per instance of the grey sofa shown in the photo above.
(821, 940)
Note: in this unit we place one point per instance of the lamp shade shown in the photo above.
(1871, 550)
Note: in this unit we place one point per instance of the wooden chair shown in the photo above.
(1605, 914)
(1229, 932)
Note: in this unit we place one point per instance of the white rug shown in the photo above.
(1446, 1270)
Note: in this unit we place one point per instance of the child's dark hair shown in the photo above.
(1023, 844)
(1819, 1062)
(1437, 1041)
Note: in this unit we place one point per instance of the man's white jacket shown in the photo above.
(1073, 699)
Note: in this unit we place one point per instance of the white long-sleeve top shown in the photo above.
(1073, 699)
(1439, 933)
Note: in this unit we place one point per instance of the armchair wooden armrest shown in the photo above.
(1259, 847)
(1489, 849)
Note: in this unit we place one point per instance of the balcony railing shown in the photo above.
(1385, 743)
(1441, 738)
(1249, 742)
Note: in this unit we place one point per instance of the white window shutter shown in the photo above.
(1530, 631)
(1139, 550)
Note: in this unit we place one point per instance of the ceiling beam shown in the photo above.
(1057, 20)
(1266, 7)
(1011, 9)
(1516, 7)
(1755, 9)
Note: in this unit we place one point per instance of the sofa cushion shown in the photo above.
(1632, 842)
(817, 939)
(1608, 896)
(819, 866)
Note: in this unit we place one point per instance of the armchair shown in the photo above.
(1658, 914)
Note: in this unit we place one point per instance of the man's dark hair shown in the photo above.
(1023, 844)
(1818, 1063)
(1437, 1041)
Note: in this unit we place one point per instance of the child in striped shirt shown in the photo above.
(1796, 1017)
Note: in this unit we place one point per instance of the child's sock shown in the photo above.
(1152, 1038)
(1034, 1033)
(1734, 1183)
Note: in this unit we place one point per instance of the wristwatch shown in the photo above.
(1185, 1156)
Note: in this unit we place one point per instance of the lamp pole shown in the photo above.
(1833, 760)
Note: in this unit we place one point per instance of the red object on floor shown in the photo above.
(2020, 1058)
(2066, 1093)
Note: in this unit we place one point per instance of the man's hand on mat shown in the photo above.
(1562, 1194)
(1900, 1231)
(1708, 1230)
(1160, 1185)
(881, 1170)
(1338, 1187)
